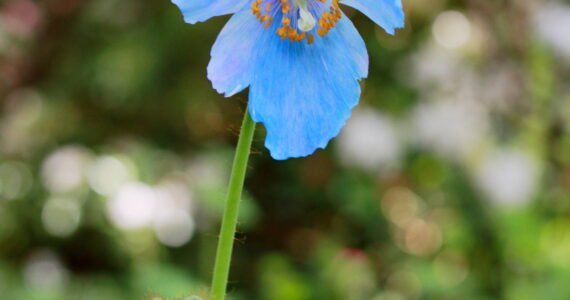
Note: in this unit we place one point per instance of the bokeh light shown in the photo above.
(551, 20)
(61, 216)
(451, 179)
(15, 180)
(65, 169)
(174, 227)
(134, 206)
(451, 29)
(45, 272)
(370, 141)
(107, 174)
(508, 177)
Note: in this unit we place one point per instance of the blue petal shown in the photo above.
(201, 10)
(230, 69)
(305, 93)
(386, 13)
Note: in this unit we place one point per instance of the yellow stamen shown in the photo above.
(294, 33)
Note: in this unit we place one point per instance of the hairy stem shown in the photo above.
(229, 222)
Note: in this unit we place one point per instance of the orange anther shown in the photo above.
(310, 39)
(326, 22)
(269, 22)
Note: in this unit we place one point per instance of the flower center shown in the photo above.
(298, 17)
(306, 20)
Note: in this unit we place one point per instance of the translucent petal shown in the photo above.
(201, 10)
(302, 93)
(388, 14)
(305, 93)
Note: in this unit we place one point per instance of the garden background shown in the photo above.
(450, 181)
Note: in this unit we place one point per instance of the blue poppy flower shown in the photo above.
(301, 59)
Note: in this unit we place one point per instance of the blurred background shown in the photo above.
(450, 181)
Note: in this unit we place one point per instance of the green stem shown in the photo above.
(229, 222)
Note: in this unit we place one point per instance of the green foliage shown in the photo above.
(115, 154)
